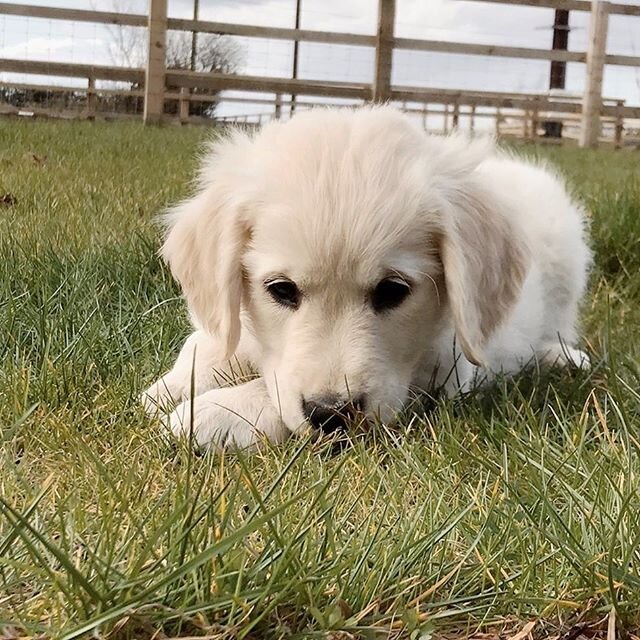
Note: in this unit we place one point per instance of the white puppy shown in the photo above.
(346, 257)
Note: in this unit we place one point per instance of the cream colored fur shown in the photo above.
(335, 201)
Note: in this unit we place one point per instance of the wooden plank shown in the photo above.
(624, 9)
(463, 48)
(191, 79)
(77, 15)
(178, 24)
(381, 89)
(272, 33)
(221, 82)
(483, 99)
(570, 5)
(72, 70)
(592, 100)
(463, 95)
(627, 61)
(155, 72)
(413, 44)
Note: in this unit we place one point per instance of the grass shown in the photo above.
(519, 504)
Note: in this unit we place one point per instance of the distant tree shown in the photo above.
(214, 54)
(128, 45)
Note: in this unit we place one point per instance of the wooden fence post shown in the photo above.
(424, 116)
(535, 123)
(277, 114)
(472, 119)
(91, 99)
(381, 90)
(592, 100)
(155, 71)
(184, 105)
(498, 121)
(619, 125)
(456, 116)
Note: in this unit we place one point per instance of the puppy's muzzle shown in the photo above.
(332, 413)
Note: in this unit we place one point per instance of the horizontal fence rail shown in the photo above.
(74, 15)
(571, 5)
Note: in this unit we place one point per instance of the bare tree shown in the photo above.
(127, 44)
(214, 54)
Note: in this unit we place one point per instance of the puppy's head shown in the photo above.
(347, 241)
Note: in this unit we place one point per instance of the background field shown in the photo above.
(514, 505)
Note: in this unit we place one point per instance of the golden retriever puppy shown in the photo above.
(346, 257)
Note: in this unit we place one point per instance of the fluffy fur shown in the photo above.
(335, 201)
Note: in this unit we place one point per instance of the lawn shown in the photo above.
(479, 515)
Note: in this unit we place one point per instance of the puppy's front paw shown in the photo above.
(577, 358)
(562, 355)
(234, 417)
(161, 396)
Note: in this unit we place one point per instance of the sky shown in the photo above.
(451, 20)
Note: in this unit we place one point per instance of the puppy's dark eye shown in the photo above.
(389, 294)
(284, 292)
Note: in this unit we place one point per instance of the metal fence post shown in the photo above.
(381, 90)
(592, 100)
(155, 71)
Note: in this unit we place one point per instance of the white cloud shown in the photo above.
(35, 48)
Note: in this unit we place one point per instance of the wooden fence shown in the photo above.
(590, 111)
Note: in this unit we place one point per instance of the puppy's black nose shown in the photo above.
(331, 413)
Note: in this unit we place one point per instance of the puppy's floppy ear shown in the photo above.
(205, 238)
(485, 259)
